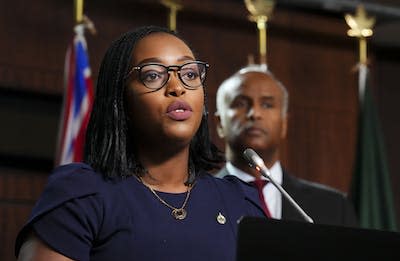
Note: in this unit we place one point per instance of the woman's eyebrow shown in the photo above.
(150, 60)
(158, 60)
(185, 58)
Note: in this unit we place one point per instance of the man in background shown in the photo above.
(252, 112)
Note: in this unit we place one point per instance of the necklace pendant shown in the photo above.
(179, 213)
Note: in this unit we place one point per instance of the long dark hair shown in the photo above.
(108, 145)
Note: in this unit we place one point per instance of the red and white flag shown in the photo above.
(78, 101)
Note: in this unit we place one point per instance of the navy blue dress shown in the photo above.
(85, 217)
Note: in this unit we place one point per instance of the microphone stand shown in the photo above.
(257, 163)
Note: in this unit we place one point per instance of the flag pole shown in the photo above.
(260, 11)
(174, 6)
(363, 50)
(78, 93)
(370, 190)
(361, 27)
(80, 18)
(78, 11)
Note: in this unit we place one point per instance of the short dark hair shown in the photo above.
(108, 146)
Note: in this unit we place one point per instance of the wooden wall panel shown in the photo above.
(323, 109)
(308, 52)
(34, 43)
(19, 190)
(12, 217)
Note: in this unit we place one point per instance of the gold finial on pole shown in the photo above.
(89, 25)
(174, 6)
(260, 11)
(360, 27)
(78, 11)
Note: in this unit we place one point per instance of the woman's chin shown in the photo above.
(180, 132)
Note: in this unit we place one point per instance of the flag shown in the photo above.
(371, 190)
(78, 100)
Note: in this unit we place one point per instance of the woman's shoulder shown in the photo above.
(65, 171)
(71, 168)
(66, 182)
(232, 182)
(74, 179)
(231, 185)
(239, 196)
(80, 179)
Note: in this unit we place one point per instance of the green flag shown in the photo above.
(371, 190)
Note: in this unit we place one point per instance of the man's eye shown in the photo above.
(239, 104)
(267, 105)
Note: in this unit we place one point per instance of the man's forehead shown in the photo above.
(250, 85)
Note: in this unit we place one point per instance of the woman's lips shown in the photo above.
(179, 111)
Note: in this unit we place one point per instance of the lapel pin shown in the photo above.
(221, 219)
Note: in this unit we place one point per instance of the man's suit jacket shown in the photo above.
(323, 204)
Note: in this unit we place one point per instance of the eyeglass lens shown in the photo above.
(155, 76)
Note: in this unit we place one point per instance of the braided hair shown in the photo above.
(108, 145)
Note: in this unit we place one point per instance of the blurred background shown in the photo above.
(308, 50)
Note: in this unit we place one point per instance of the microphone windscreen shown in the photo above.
(247, 154)
(253, 157)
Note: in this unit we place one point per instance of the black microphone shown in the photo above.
(257, 163)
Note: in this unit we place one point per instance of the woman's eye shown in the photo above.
(190, 75)
(151, 76)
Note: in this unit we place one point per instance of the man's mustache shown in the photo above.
(251, 125)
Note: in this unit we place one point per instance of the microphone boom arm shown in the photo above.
(257, 163)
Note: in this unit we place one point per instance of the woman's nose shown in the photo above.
(174, 85)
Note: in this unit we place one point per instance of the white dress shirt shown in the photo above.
(272, 196)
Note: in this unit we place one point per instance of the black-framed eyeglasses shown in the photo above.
(154, 75)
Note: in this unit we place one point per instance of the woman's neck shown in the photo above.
(168, 173)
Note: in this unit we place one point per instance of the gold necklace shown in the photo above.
(177, 213)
